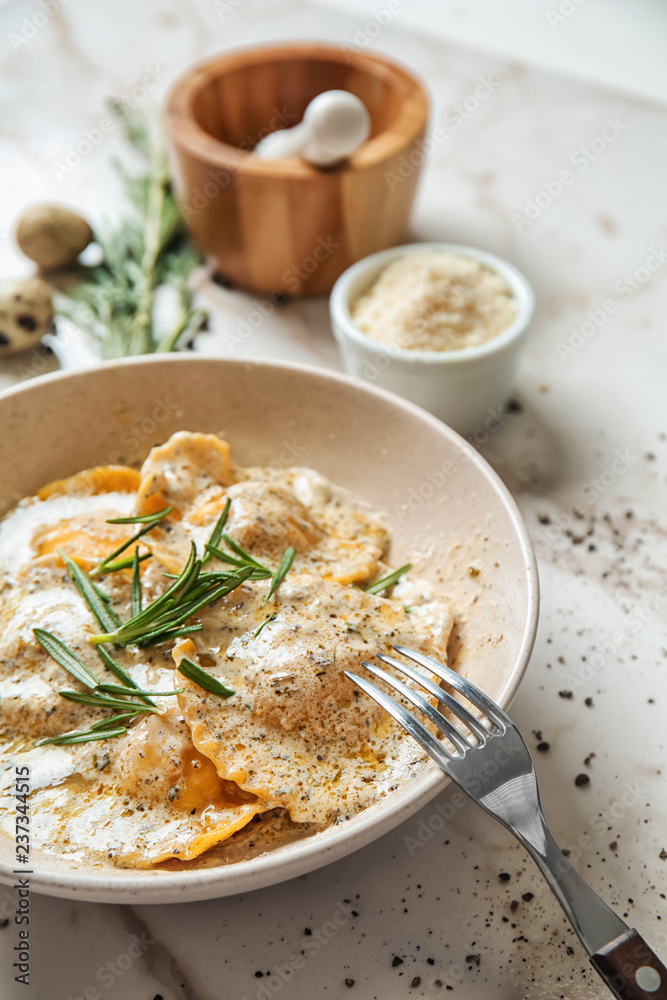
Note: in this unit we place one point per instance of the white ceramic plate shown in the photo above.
(446, 506)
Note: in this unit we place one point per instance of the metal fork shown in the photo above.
(492, 763)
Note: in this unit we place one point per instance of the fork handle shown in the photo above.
(631, 970)
(629, 967)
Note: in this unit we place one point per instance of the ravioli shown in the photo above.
(137, 801)
(333, 535)
(295, 748)
(297, 733)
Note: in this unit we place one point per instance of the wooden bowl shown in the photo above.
(282, 225)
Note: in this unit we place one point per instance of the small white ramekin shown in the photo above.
(463, 388)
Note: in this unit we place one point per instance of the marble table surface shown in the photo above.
(584, 453)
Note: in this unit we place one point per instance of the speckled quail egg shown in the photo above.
(52, 235)
(26, 313)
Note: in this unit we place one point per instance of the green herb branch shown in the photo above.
(147, 251)
(163, 619)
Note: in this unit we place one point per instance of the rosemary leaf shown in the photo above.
(281, 572)
(141, 518)
(203, 679)
(242, 554)
(151, 520)
(157, 637)
(259, 572)
(269, 618)
(118, 672)
(102, 701)
(119, 689)
(216, 534)
(106, 618)
(113, 720)
(63, 655)
(389, 580)
(136, 595)
(127, 563)
(68, 739)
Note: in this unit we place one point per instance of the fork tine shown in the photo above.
(433, 747)
(466, 717)
(468, 690)
(452, 734)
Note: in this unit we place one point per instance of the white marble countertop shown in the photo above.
(586, 458)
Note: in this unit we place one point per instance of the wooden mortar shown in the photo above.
(283, 226)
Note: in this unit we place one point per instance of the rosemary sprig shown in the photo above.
(216, 534)
(388, 581)
(203, 679)
(150, 522)
(281, 572)
(165, 617)
(105, 616)
(147, 251)
(67, 659)
(269, 618)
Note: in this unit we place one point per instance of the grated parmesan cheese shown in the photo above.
(435, 301)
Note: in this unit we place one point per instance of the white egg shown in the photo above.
(334, 125)
(338, 123)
